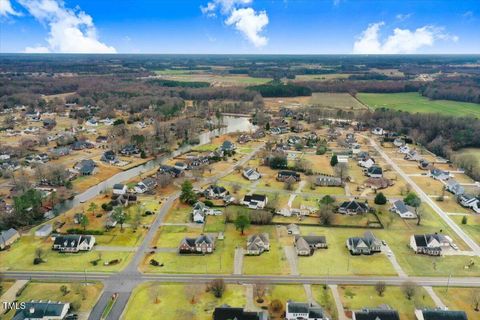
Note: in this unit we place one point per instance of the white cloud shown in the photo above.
(241, 16)
(250, 23)
(403, 17)
(224, 5)
(401, 41)
(6, 9)
(37, 49)
(71, 31)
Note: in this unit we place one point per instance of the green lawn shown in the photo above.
(459, 299)
(174, 301)
(340, 261)
(215, 224)
(323, 295)
(472, 228)
(414, 102)
(20, 257)
(359, 297)
(81, 296)
(336, 100)
(170, 236)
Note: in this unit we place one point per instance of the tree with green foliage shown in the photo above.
(84, 222)
(380, 199)
(188, 195)
(92, 208)
(321, 150)
(242, 222)
(120, 216)
(327, 200)
(27, 208)
(414, 201)
(464, 220)
(334, 160)
(278, 161)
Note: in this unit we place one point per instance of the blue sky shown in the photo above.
(240, 26)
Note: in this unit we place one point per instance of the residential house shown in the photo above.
(201, 244)
(398, 142)
(251, 174)
(119, 189)
(293, 229)
(303, 311)
(454, 187)
(350, 138)
(130, 150)
(374, 172)
(469, 201)
(227, 146)
(368, 244)
(413, 155)
(91, 122)
(377, 131)
(328, 181)
(225, 312)
(101, 139)
(438, 174)
(403, 210)
(425, 165)
(440, 314)
(362, 156)
(255, 201)
(284, 175)
(342, 158)
(244, 138)
(8, 237)
(368, 163)
(145, 185)
(430, 244)
(257, 244)
(353, 207)
(404, 149)
(42, 310)
(109, 157)
(123, 199)
(44, 231)
(200, 211)
(306, 245)
(181, 166)
(378, 183)
(171, 170)
(58, 152)
(375, 314)
(73, 243)
(49, 123)
(85, 167)
(216, 192)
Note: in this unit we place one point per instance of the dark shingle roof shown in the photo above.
(376, 314)
(444, 315)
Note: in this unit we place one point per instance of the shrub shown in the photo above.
(154, 263)
(464, 220)
(37, 261)
(380, 199)
(208, 203)
(81, 231)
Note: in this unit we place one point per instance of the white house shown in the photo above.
(374, 172)
(303, 311)
(119, 189)
(430, 244)
(251, 174)
(403, 210)
(200, 211)
(404, 149)
(255, 201)
(366, 163)
(145, 185)
(73, 243)
(377, 131)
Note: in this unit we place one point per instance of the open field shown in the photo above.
(82, 296)
(359, 297)
(336, 100)
(20, 257)
(179, 301)
(321, 77)
(214, 79)
(470, 151)
(459, 299)
(414, 102)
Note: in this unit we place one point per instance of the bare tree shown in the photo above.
(260, 291)
(218, 287)
(409, 288)
(192, 291)
(476, 300)
(380, 287)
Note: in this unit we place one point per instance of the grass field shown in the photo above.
(174, 301)
(359, 297)
(82, 296)
(212, 78)
(414, 102)
(459, 299)
(20, 257)
(336, 100)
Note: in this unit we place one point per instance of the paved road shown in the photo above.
(128, 280)
(425, 198)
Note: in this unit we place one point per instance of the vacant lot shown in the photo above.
(213, 79)
(414, 102)
(179, 301)
(336, 100)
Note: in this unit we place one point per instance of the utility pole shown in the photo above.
(448, 282)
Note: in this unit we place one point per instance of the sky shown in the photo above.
(240, 26)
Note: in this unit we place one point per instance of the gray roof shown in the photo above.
(8, 234)
(40, 310)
